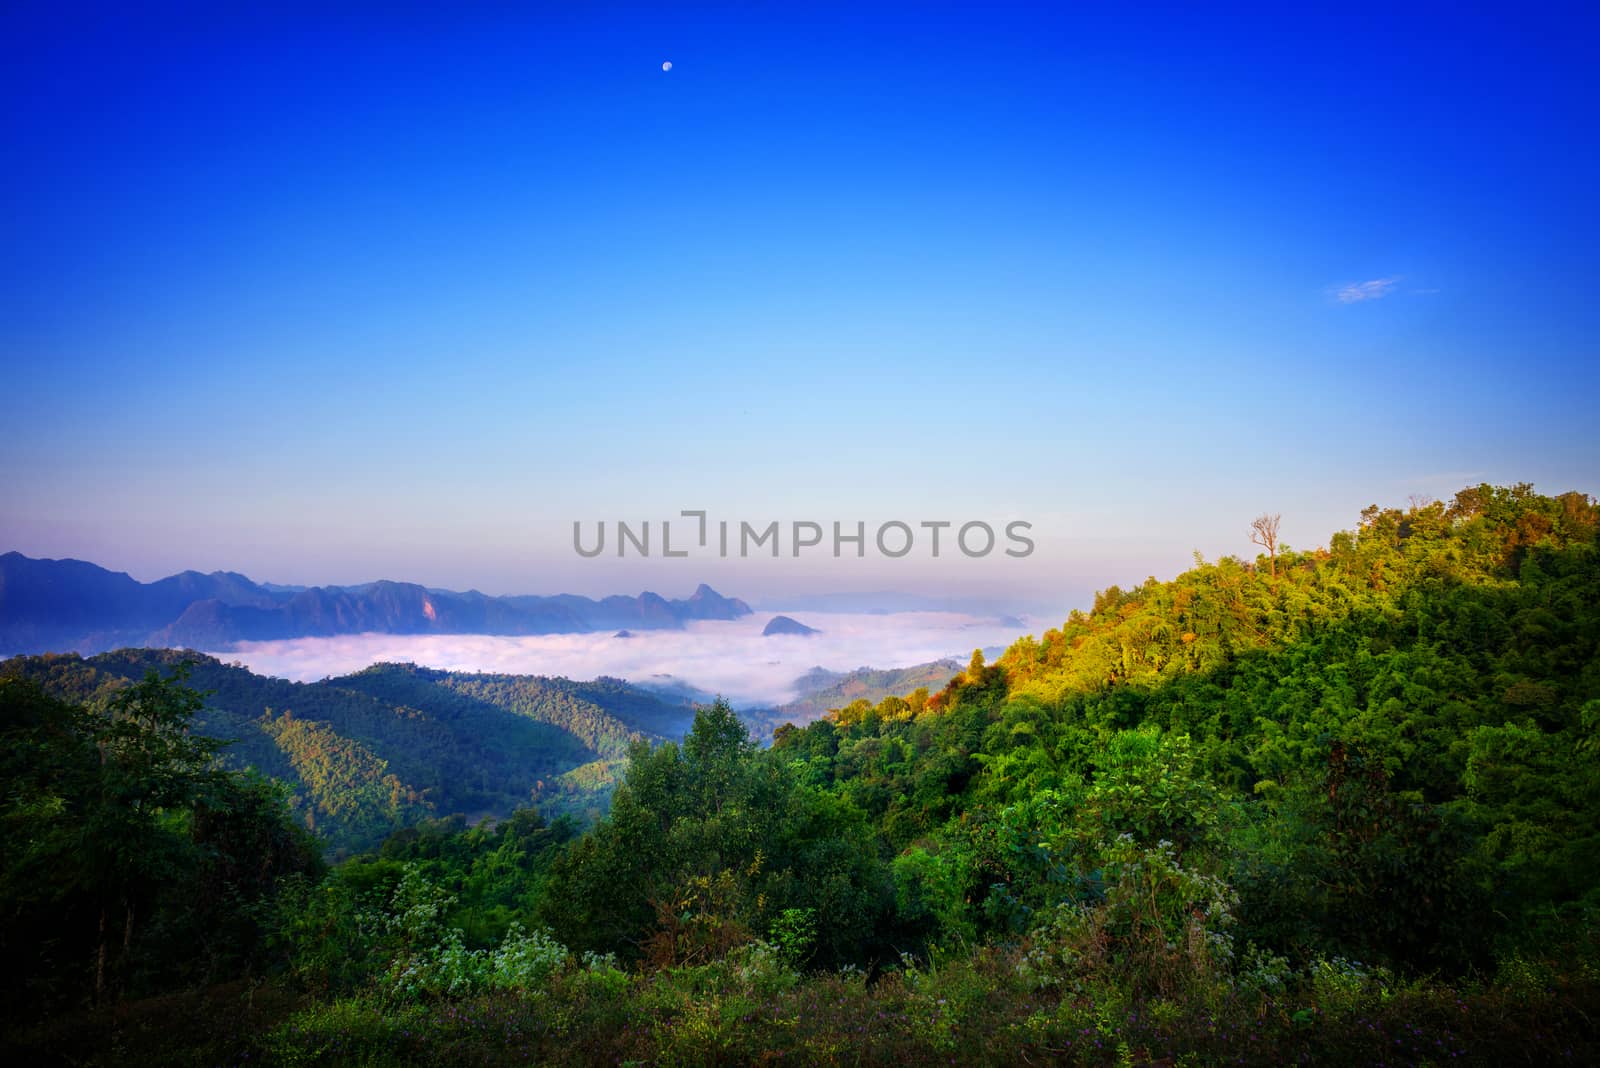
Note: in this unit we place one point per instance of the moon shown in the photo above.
(667, 65)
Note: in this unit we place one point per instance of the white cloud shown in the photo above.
(731, 658)
(1357, 292)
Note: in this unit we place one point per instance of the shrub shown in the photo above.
(1161, 929)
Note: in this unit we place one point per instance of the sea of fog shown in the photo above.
(731, 658)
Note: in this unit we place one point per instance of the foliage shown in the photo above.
(130, 857)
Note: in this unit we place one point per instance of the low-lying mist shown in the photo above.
(731, 658)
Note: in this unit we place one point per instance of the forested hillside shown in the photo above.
(1336, 806)
(824, 691)
(369, 753)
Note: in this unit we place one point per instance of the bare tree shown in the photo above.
(1264, 532)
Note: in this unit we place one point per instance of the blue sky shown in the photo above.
(328, 299)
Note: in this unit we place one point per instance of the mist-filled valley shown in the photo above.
(731, 658)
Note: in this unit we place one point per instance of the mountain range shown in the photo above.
(75, 606)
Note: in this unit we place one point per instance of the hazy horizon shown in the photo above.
(1078, 567)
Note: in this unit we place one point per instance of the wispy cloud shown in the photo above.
(1357, 292)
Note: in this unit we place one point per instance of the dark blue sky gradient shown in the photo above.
(406, 293)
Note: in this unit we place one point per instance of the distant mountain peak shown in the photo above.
(707, 603)
(787, 625)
